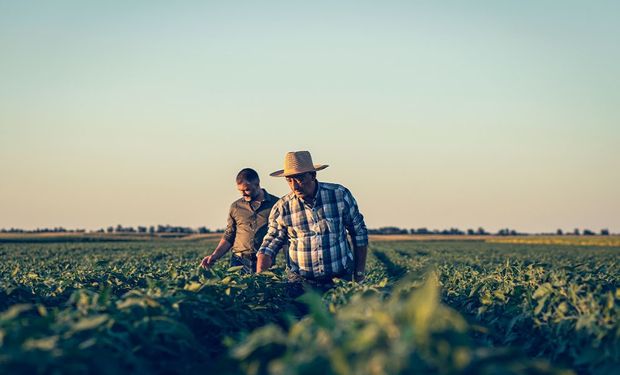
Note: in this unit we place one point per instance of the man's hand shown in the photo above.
(208, 262)
(263, 262)
(359, 262)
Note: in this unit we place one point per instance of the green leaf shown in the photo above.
(318, 310)
(90, 323)
(45, 343)
(540, 305)
(14, 311)
(542, 291)
(192, 286)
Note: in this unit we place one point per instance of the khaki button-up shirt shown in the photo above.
(248, 222)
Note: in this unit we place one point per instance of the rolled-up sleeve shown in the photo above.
(354, 221)
(276, 235)
(231, 226)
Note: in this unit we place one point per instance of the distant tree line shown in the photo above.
(159, 229)
(585, 232)
(446, 232)
(42, 230)
(169, 229)
(478, 232)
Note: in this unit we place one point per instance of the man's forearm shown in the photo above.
(221, 249)
(264, 261)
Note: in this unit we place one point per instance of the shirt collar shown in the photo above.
(318, 187)
(316, 194)
(266, 198)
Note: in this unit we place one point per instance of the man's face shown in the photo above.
(301, 184)
(249, 190)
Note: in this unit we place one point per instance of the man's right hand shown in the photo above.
(263, 262)
(207, 262)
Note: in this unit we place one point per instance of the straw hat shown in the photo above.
(297, 162)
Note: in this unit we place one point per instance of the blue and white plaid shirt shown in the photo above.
(317, 242)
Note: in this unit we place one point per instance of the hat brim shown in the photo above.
(283, 173)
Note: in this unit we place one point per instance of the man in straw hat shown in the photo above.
(313, 219)
(246, 225)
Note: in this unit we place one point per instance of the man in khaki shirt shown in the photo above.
(247, 224)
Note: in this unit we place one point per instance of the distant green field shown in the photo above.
(426, 307)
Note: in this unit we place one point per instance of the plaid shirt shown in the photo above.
(317, 241)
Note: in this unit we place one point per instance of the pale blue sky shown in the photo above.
(465, 114)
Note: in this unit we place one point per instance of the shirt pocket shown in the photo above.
(330, 226)
(246, 225)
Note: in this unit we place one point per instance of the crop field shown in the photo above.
(445, 307)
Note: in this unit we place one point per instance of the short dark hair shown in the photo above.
(247, 175)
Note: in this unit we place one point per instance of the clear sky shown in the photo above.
(434, 114)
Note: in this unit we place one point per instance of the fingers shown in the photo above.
(206, 262)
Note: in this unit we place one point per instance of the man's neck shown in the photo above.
(261, 195)
(259, 198)
(316, 189)
(310, 200)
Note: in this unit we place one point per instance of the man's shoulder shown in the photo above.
(333, 187)
(236, 203)
(332, 191)
(286, 198)
(272, 198)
